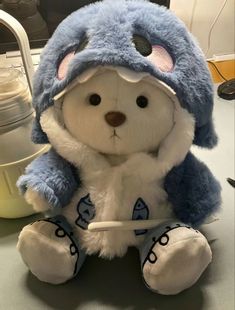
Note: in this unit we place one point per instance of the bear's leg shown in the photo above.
(173, 257)
(50, 250)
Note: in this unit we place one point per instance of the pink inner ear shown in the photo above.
(161, 58)
(63, 67)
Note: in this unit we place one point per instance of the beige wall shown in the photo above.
(222, 37)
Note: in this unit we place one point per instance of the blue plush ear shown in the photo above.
(205, 136)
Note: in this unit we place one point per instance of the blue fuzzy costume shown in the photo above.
(109, 27)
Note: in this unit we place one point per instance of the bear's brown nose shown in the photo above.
(115, 118)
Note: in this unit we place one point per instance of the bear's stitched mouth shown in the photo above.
(115, 135)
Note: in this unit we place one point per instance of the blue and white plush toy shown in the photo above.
(121, 94)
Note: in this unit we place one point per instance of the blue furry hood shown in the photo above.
(109, 27)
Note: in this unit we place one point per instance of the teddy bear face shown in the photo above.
(116, 113)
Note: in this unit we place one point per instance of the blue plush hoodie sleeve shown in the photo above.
(52, 177)
(193, 191)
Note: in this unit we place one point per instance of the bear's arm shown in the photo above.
(193, 191)
(52, 178)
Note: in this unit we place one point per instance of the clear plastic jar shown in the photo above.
(16, 148)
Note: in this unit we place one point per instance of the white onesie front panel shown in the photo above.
(115, 197)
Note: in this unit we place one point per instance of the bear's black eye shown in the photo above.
(82, 45)
(95, 99)
(142, 45)
(142, 102)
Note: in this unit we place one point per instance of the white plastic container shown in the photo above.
(16, 117)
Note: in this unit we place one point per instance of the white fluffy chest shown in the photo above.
(115, 196)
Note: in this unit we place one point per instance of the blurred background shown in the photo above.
(40, 18)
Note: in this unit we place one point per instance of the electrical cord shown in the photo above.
(216, 68)
(212, 26)
(192, 15)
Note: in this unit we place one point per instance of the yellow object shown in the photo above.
(226, 67)
(12, 204)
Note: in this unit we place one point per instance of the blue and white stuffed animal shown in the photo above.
(121, 93)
